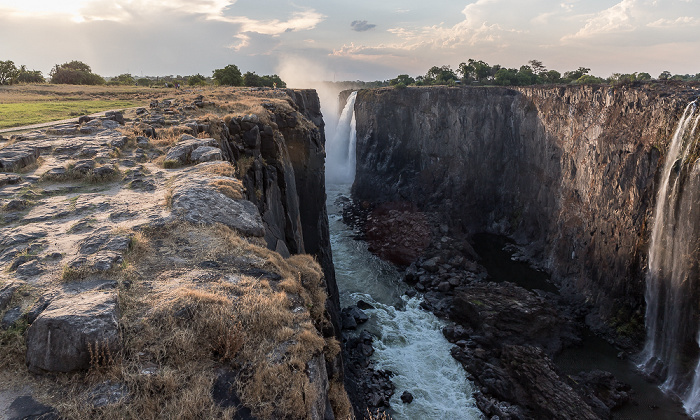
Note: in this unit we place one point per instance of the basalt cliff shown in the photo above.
(571, 175)
(171, 262)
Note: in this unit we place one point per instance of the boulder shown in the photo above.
(63, 337)
(17, 156)
(182, 151)
(206, 154)
(27, 408)
(200, 203)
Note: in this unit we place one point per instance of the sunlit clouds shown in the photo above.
(363, 39)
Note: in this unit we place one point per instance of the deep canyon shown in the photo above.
(571, 175)
(516, 253)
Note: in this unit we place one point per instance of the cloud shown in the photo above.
(299, 21)
(615, 19)
(683, 21)
(362, 25)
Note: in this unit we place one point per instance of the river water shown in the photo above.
(408, 341)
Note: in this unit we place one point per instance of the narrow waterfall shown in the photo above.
(408, 340)
(340, 157)
(672, 348)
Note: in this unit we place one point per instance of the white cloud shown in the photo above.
(617, 18)
(683, 21)
(298, 21)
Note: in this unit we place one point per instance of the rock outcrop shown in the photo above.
(157, 248)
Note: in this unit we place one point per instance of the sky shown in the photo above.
(350, 40)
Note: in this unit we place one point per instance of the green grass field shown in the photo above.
(18, 114)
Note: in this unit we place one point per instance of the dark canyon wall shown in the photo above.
(567, 171)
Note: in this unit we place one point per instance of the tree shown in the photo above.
(642, 77)
(75, 73)
(29, 76)
(272, 81)
(665, 75)
(572, 76)
(537, 67)
(196, 80)
(402, 78)
(440, 76)
(252, 80)
(588, 79)
(506, 77)
(8, 72)
(526, 76)
(551, 76)
(144, 81)
(228, 76)
(123, 79)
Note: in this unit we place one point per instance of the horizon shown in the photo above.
(319, 41)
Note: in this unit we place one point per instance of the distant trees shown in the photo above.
(29, 76)
(75, 73)
(228, 76)
(231, 76)
(8, 72)
(122, 79)
(197, 80)
(534, 73)
(251, 79)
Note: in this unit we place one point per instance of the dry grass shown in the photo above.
(220, 169)
(88, 177)
(342, 409)
(231, 188)
(170, 135)
(184, 328)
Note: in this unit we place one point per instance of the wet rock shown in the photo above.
(364, 305)
(59, 340)
(602, 391)
(407, 397)
(27, 408)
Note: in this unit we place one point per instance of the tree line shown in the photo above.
(478, 72)
(78, 73)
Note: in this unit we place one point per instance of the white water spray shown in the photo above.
(673, 328)
(340, 148)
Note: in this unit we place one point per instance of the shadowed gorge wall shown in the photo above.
(569, 172)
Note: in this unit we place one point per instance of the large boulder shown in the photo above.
(71, 328)
(196, 201)
(182, 151)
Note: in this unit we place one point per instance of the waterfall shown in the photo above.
(673, 278)
(340, 159)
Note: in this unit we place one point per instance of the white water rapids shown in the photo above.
(408, 341)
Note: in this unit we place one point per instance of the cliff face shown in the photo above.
(568, 172)
(162, 251)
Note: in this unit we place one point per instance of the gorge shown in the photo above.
(572, 176)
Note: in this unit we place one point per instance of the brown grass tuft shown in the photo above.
(231, 188)
(219, 168)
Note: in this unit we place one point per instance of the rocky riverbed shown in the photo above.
(505, 336)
